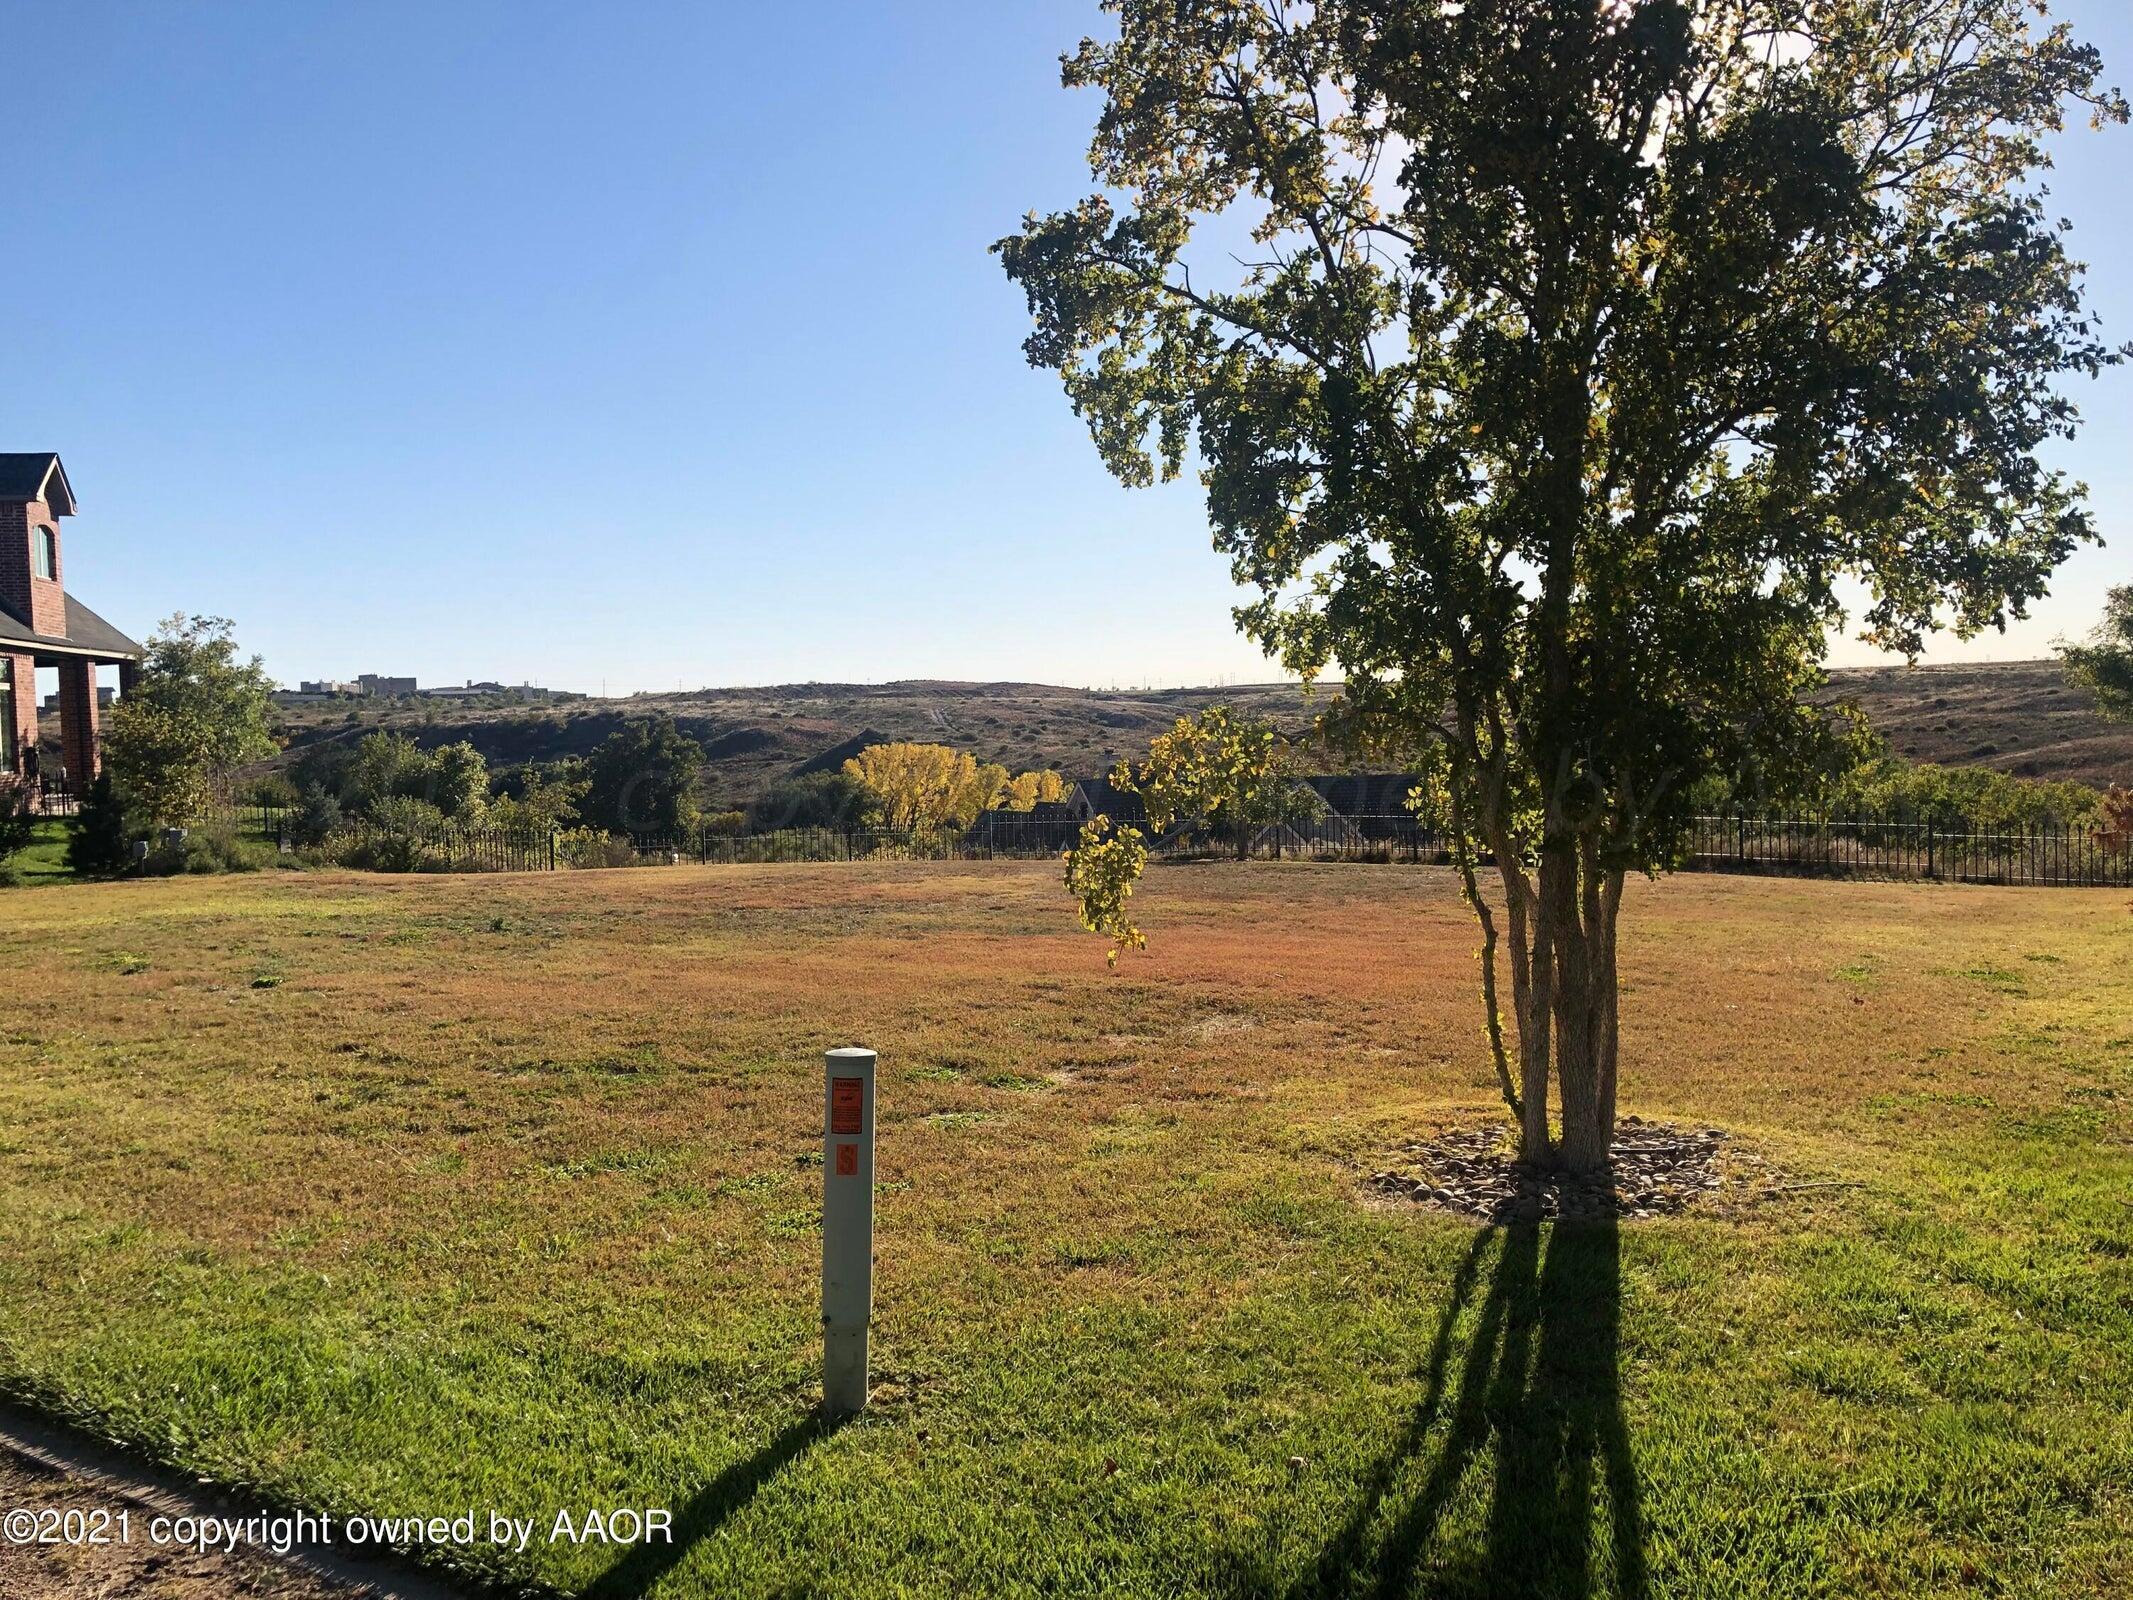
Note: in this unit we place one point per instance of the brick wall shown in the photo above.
(43, 602)
(19, 704)
(77, 721)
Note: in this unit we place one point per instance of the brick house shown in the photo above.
(41, 625)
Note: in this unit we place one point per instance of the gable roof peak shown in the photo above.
(36, 475)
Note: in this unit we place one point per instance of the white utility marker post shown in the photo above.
(847, 1226)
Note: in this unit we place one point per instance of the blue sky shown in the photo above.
(629, 346)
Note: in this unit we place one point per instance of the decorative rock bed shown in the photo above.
(1658, 1170)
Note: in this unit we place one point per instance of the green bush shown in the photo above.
(1989, 799)
(100, 843)
(274, 789)
(819, 800)
(590, 847)
(206, 851)
(316, 819)
(385, 852)
(18, 829)
(1879, 784)
(401, 813)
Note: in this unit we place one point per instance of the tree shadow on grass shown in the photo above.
(1537, 1392)
(707, 1511)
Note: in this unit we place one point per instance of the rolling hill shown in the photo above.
(2017, 716)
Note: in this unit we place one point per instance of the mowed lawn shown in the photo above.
(419, 1195)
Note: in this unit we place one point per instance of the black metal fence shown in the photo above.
(1935, 848)
(1923, 848)
(1790, 844)
(442, 849)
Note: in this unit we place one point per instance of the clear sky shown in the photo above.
(636, 345)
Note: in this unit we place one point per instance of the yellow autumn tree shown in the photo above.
(1025, 790)
(917, 788)
(1231, 774)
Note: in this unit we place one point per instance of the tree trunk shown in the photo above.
(1562, 937)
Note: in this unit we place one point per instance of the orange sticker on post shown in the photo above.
(848, 1100)
(847, 1161)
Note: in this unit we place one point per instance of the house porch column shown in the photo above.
(18, 704)
(77, 720)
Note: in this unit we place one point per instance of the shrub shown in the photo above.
(589, 847)
(195, 712)
(17, 827)
(404, 814)
(642, 779)
(384, 852)
(819, 800)
(1988, 798)
(204, 852)
(725, 822)
(317, 818)
(2114, 821)
(274, 789)
(100, 843)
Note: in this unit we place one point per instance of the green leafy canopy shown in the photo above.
(2103, 664)
(1582, 349)
(195, 712)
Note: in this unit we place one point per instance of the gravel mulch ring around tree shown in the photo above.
(1658, 1170)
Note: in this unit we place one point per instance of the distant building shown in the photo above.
(326, 686)
(471, 690)
(389, 688)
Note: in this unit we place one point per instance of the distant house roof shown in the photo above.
(87, 635)
(1364, 794)
(29, 474)
(1090, 797)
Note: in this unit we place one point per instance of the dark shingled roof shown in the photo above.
(23, 474)
(1364, 794)
(85, 631)
(1102, 797)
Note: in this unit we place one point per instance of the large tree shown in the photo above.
(642, 779)
(922, 787)
(195, 713)
(1554, 364)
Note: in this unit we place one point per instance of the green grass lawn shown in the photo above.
(45, 861)
(415, 1196)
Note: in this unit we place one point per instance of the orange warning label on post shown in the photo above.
(847, 1161)
(848, 1100)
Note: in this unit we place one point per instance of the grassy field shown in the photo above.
(420, 1195)
(45, 861)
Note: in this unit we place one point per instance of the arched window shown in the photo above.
(47, 553)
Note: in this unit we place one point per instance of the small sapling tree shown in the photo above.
(1101, 869)
(1230, 774)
